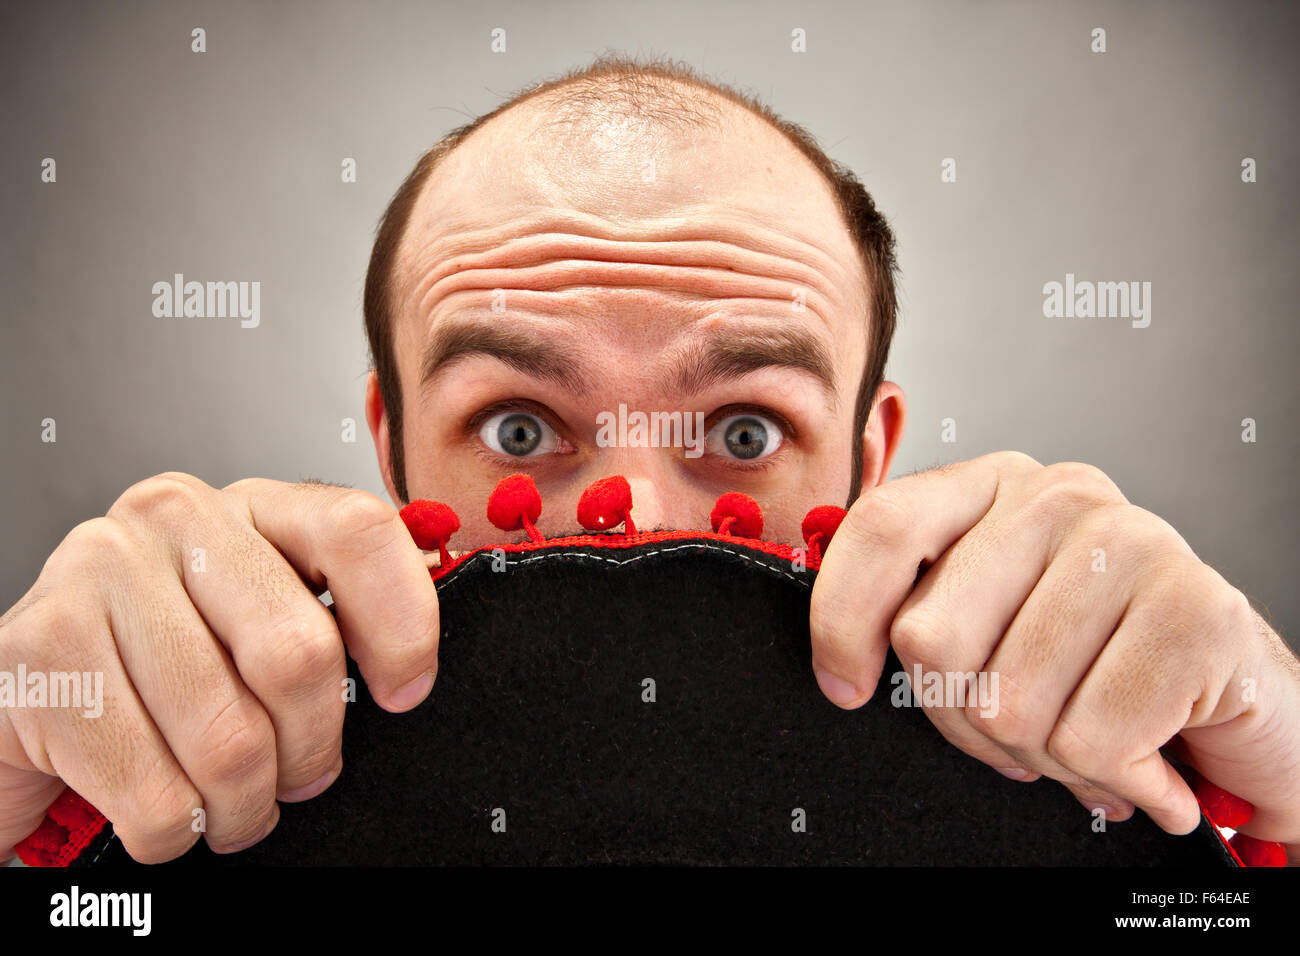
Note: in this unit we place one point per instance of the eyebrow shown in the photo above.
(750, 350)
(524, 349)
(701, 363)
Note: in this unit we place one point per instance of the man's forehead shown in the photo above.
(627, 173)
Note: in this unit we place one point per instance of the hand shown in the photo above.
(1108, 637)
(223, 674)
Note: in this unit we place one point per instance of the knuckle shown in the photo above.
(1070, 489)
(1085, 479)
(49, 623)
(172, 495)
(237, 742)
(1191, 601)
(1008, 726)
(1107, 524)
(359, 522)
(1077, 754)
(1013, 462)
(1181, 593)
(300, 652)
(1153, 532)
(920, 635)
(1142, 538)
(319, 760)
(879, 518)
(245, 821)
(1235, 611)
(54, 638)
(162, 827)
(243, 485)
(96, 547)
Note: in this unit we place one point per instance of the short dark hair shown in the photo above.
(660, 90)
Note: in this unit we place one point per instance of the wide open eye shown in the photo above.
(518, 434)
(744, 437)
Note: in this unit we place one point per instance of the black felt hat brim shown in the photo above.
(539, 719)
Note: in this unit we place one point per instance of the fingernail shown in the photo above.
(839, 691)
(412, 693)
(1015, 773)
(312, 789)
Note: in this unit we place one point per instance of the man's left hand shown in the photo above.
(1110, 639)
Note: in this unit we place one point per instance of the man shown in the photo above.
(631, 235)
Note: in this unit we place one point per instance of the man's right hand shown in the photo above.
(223, 673)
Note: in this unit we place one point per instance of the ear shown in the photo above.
(883, 434)
(377, 418)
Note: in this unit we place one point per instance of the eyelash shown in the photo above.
(509, 405)
(476, 421)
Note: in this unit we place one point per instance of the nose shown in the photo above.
(661, 498)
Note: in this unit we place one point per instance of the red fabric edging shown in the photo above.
(69, 826)
(617, 541)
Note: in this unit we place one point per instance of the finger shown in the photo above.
(946, 718)
(871, 563)
(1169, 665)
(1062, 628)
(973, 613)
(284, 644)
(133, 778)
(215, 726)
(1004, 721)
(1111, 730)
(961, 609)
(356, 545)
(951, 622)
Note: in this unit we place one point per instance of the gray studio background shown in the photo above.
(226, 166)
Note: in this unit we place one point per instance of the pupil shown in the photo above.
(519, 434)
(746, 438)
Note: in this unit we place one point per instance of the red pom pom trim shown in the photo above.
(431, 523)
(819, 526)
(515, 504)
(738, 515)
(605, 504)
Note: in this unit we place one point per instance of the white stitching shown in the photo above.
(455, 575)
(104, 848)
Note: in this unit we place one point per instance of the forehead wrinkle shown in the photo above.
(544, 288)
(740, 247)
